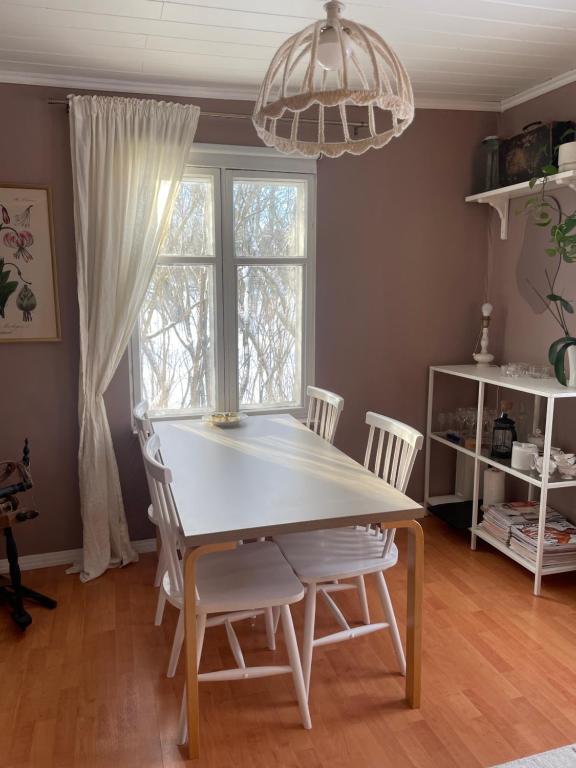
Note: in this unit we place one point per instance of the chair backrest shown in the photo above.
(144, 429)
(390, 454)
(324, 409)
(160, 478)
(143, 424)
(396, 446)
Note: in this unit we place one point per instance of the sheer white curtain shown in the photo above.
(128, 157)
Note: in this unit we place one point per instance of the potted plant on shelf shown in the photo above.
(547, 213)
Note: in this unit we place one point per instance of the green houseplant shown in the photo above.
(547, 213)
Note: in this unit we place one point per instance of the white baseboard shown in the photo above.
(66, 556)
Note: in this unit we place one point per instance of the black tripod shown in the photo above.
(13, 591)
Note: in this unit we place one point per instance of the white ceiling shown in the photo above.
(467, 53)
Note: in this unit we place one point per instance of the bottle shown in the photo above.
(491, 145)
(503, 433)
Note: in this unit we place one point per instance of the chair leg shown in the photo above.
(276, 615)
(160, 607)
(160, 568)
(294, 659)
(270, 634)
(176, 646)
(308, 640)
(363, 599)
(182, 724)
(391, 619)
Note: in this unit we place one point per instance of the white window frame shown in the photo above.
(223, 163)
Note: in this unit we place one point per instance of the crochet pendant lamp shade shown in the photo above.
(322, 72)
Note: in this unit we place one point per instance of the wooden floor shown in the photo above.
(85, 686)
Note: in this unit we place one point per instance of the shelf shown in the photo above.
(548, 389)
(500, 198)
(439, 439)
(449, 498)
(491, 374)
(527, 475)
(528, 564)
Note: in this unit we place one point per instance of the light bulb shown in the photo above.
(329, 54)
(487, 309)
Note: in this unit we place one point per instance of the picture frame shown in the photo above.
(29, 309)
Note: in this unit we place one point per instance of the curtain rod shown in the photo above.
(239, 116)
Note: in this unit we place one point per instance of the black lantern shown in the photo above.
(503, 434)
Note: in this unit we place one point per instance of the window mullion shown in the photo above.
(220, 299)
(229, 292)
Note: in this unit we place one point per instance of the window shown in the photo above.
(227, 320)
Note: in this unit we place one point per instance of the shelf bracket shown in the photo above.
(502, 206)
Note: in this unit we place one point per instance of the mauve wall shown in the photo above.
(399, 280)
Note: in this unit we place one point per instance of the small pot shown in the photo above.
(567, 156)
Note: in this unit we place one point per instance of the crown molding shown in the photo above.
(196, 91)
(249, 94)
(226, 93)
(469, 106)
(539, 90)
(127, 86)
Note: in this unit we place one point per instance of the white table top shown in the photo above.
(491, 374)
(270, 475)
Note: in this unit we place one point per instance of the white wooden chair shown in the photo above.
(230, 586)
(144, 429)
(322, 558)
(324, 409)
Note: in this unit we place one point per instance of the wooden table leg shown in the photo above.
(192, 709)
(414, 609)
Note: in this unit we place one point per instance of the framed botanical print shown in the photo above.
(28, 291)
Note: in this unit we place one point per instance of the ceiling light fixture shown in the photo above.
(338, 65)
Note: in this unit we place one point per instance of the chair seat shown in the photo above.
(338, 553)
(250, 576)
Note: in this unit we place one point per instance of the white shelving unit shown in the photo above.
(500, 198)
(548, 390)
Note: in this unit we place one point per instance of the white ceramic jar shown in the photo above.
(567, 156)
(522, 455)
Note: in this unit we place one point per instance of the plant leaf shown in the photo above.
(549, 170)
(551, 251)
(559, 359)
(5, 292)
(555, 346)
(566, 306)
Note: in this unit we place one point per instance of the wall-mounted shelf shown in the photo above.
(499, 199)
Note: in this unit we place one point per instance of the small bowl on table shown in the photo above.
(225, 419)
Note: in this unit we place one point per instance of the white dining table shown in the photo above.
(273, 475)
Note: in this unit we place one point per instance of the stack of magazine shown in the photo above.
(559, 541)
(500, 519)
(515, 524)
